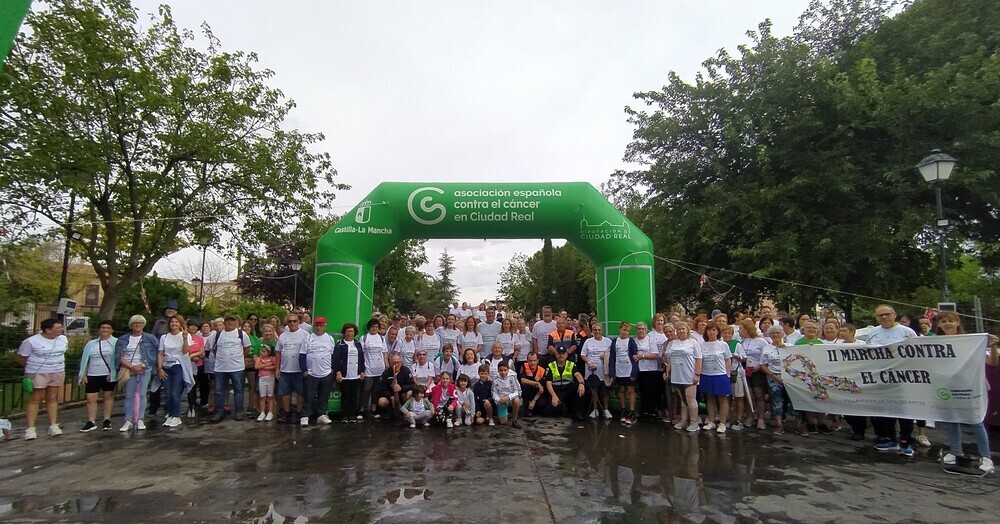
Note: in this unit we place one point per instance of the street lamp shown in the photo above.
(936, 168)
(296, 265)
(203, 238)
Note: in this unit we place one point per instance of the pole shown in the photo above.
(65, 266)
(201, 292)
(945, 292)
(977, 306)
(295, 292)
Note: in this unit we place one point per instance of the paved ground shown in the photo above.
(551, 471)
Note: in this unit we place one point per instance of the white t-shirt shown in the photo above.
(432, 344)
(880, 336)
(100, 358)
(290, 344)
(131, 353)
(375, 351)
(229, 351)
(353, 355)
(509, 341)
(489, 334)
(683, 354)
(623, 363)
(457, 311)
(471, 371)
(172, 347)
(540, 332)
(752, 348)
(494, 363)
(451, 336)
(593, 349)
(524, 343)
(421, 372)
(792, 337)
(44, 355)
(647, 345)
(772, 359)
(470, 340)
(406, 351)
(713, 358)
(660, 339)
(319, 355)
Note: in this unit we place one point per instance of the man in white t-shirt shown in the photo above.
(231, 348)
(455, 310)
(540, 336)
(489, 330)
(888, 332)
(291, 343)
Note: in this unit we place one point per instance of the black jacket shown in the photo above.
(340, 357)
(404, 378)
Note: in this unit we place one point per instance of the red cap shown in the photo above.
(319, 320)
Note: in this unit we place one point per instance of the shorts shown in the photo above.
(480, 407)
(266, 386)
(501, 410)
(625, 382)
(289, 383)
(100, 383)
(758, 380)
(681, 388)
(597, 386)
(48, 380)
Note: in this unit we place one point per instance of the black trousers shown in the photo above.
(350, 395)
(154, 401)
(201, 391)
(650, 389)
(318, 394)
(885, 429)
(570, 403)
(858, 424)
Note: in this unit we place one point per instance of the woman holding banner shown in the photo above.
(948, 323)
(753, 346)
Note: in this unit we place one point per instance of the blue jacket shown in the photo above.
(633, 350)
(149, 346)
(340, 357)
(85, 358)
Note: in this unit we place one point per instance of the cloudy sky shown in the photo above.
(473, 91)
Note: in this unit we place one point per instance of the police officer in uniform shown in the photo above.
(565, 386)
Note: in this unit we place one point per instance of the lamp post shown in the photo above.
(203, 239)
(936, 168)
(296, 265)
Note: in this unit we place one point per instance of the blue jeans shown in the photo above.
(222, 381)
(136, 386)
(978, 432)
(174, 386)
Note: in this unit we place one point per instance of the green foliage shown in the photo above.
(158, 292)
(399, 284)
(570, 276)
(793, 162)
(156, 138)
(261, 308)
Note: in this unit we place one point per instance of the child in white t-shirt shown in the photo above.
(418, 408)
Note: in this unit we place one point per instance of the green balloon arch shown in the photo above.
(347, 254)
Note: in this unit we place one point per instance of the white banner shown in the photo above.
(927, 378)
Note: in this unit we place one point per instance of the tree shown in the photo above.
(158, 292)
(444, 285)
(571, 286)
(399, 284)
(792, 163)
(152, 137)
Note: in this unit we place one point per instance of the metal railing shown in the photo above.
(13, 398)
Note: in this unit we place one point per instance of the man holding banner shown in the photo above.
(887, 332)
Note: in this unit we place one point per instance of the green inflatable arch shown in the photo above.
(394, 211)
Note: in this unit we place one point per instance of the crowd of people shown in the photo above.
(474, 367)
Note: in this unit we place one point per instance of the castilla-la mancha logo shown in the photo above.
(605, 230)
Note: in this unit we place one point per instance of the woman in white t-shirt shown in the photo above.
(173, 354)
(408, 346)
(523, 340)
(450, 333)
(508, 339)
(430, 341)
(659, 338)
(715, 385)
(470, 337)
(470, 365)
(684, 367)
(43, 356)
(376, 360)
(753, 347)
(650, 379)
(349, 370)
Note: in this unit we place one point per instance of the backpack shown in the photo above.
(239, 334)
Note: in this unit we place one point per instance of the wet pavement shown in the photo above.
(551, 471)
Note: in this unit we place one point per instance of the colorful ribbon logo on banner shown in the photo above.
(817, 384)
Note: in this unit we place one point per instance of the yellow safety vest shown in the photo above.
(561, 379)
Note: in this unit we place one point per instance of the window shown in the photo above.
(93, 295)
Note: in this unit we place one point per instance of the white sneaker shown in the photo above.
(492, 423)
(607, 414)
(694, 427)
(54, 430)
(949, 459)
(191, 413)
(468, 420)
(360, 417)
(680, 425)
(986, 465)
(449, 423)
(126, 427)
(413, 424)
(140, 426)
(30, 434)
(260, 418)
(708, 427)
(172, 422)
(323, 419)
(270, 416)
(304, 421)
(594, 414)
(721, 428)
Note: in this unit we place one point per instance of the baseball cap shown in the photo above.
(319, 320)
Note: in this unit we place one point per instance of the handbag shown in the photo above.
(27, 385)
